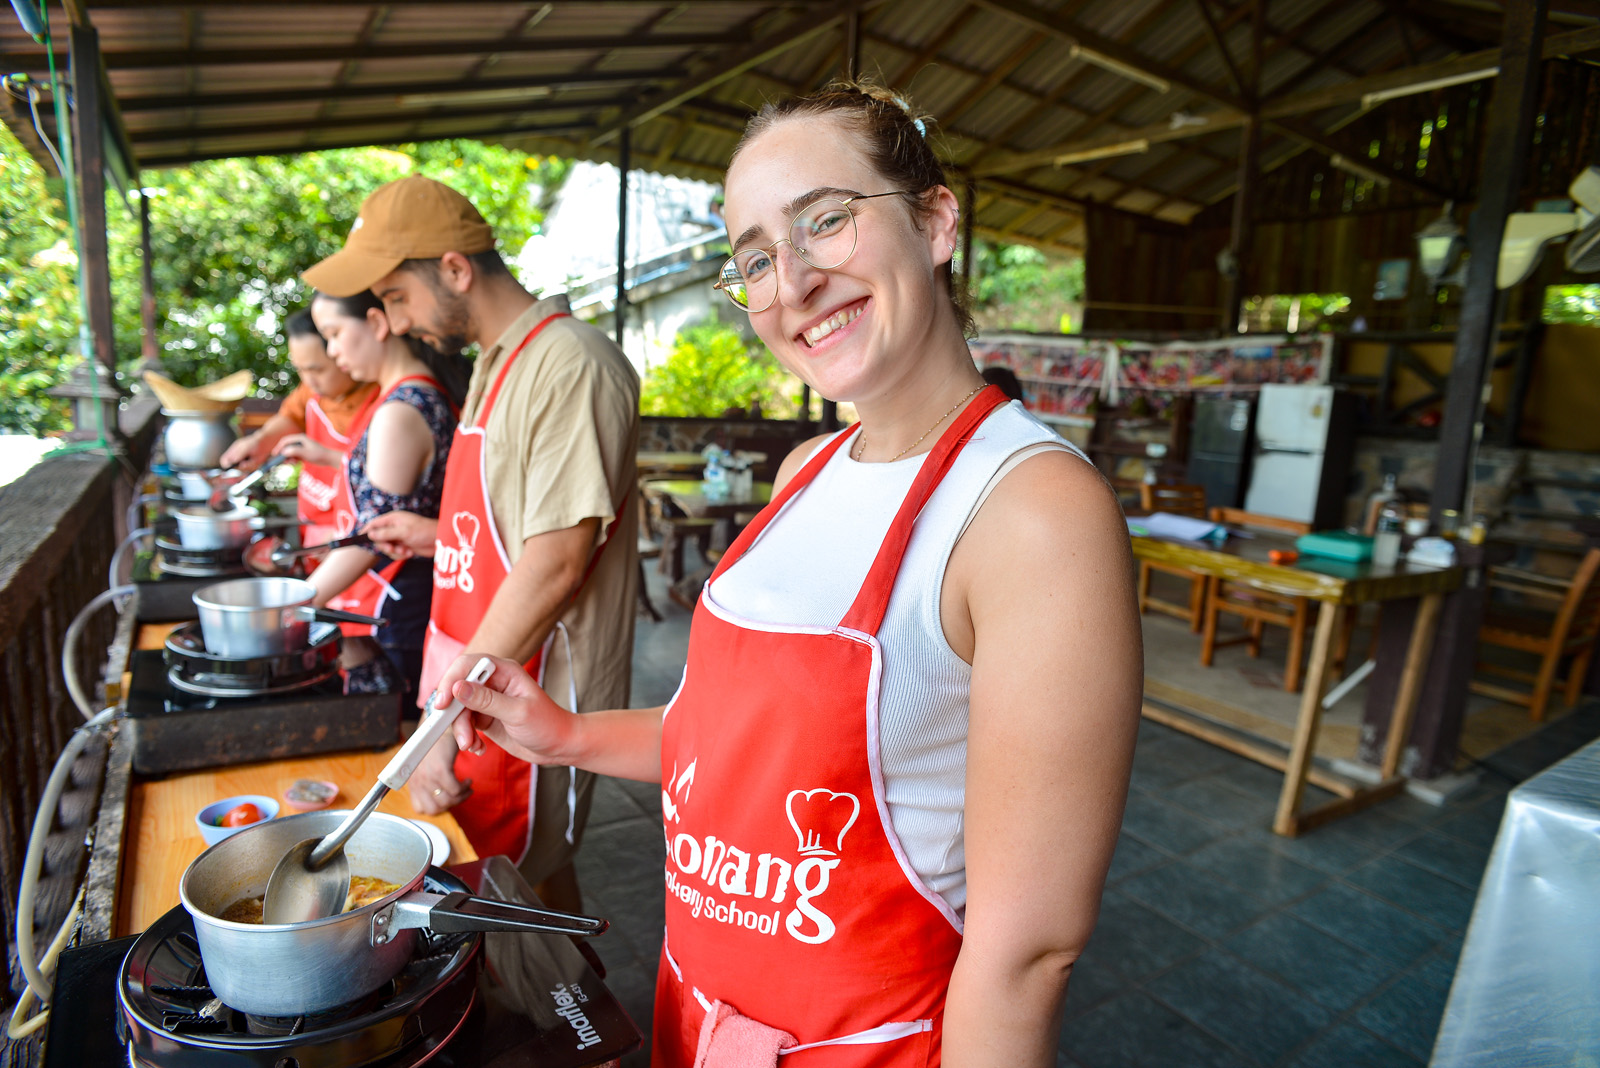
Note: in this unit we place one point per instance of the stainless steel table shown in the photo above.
(1527, 989)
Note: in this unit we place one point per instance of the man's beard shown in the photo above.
(452, 331)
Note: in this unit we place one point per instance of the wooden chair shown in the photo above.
(1570, 631)
(673, 529)
(1178, 500)
(1257, 607)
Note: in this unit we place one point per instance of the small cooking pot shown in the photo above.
(195, 485)
(251, 617)
(201, 528)
(290, 969)
(197, 439)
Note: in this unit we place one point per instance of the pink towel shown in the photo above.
(729, 1040)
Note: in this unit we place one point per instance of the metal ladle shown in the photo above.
(313, 878)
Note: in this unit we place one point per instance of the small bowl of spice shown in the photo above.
(308, 795)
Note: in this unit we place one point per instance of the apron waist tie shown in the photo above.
(572, 703)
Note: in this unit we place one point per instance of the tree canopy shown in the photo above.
(229, 239)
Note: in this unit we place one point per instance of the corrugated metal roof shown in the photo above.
(201, 78)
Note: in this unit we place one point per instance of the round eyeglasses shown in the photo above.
(823, 234)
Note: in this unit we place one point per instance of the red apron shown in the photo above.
(366, 595)
(319, 484)
(468, 568)
(788, 895)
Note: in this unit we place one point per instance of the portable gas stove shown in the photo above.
(168, 577)
(480, 1000)
(190, 708)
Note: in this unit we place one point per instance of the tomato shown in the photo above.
(241, 815)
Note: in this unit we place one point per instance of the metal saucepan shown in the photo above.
(201, 528)
(252, 617)
(195, 485)
(294, 968)
(196, 439)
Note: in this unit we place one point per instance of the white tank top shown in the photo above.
(806, 569)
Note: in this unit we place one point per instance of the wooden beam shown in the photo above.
(391, 117)
(1086, 38)
(155, 59)
(733, 64)
(1576, 42)
(921, 58)
(487, 133)
(88, 143)
(1507, 139)
(1221, 45)
(316, 94)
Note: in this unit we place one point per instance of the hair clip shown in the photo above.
(922, 128)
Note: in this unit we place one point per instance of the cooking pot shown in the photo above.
(195, 485)
(196, 440)
(199, 527)
(251, 617)
(290, 969)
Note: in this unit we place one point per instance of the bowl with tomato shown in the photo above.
(222, 818)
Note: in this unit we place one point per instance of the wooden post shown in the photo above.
(1243, 231)
(624, 162)
(151, 347)
(1505, 154)
(88, 142)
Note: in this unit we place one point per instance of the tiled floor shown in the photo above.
(1219, 943)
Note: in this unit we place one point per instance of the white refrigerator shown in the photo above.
(1300, 468)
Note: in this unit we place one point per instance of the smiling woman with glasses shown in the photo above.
(893, 776)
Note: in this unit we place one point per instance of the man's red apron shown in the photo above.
(469, 564)
(368, 594)
(788, 895)
(319, 484)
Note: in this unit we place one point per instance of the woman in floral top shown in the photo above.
(396, 463)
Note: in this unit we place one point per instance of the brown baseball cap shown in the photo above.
(411, 218)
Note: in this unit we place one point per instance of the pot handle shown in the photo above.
(333, 615)
(450, 913)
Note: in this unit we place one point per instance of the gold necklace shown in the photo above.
(861, 439)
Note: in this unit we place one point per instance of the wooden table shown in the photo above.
(651, 462)
(1338, 586)
(689, 495)
(162, 839)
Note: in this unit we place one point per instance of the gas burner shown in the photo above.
(170, 1018)
(175, 559)
(194, 669)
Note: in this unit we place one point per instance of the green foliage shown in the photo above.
(1299, 312)
(1019, 287)
(38, 293)
(1572, 304)
(229, 239)
(712, 367)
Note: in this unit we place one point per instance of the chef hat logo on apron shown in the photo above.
(453, 563)
(818, 821)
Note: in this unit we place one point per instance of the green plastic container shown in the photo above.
(1335, 545)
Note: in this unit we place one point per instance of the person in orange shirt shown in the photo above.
(323, 407)
(335, 395)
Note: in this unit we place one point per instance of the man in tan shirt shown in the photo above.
(557, 474)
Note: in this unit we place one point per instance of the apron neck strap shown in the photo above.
(499, 379)
(802, 478)
(866, 615)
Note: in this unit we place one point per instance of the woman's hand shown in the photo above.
(402, 535)
(433, 786)
(510, 710)
(247, 453)
(301, 447)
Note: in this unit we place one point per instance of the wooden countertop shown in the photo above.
(162, 839)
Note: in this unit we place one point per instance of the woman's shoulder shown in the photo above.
(797, 458)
